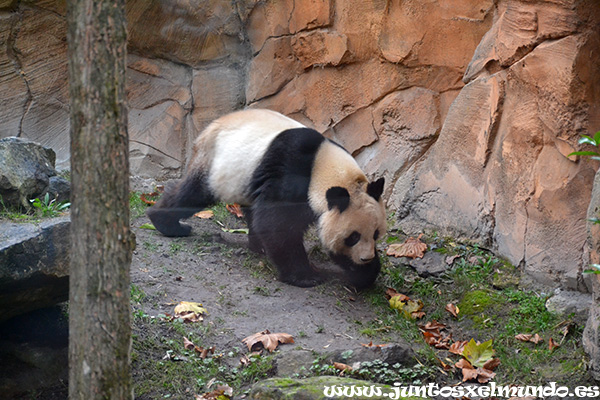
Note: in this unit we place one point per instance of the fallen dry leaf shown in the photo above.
(205, 214)
(412, 247)
(220, 393)
(463, 363)
(469, 374)
(411, 309)
(201, 351)
(390, 292)
(370, 345)
(433, 337)
(524, 337)
(187, 344)
(552, 344)
(189, 311)
(342, 367)
(528, 337)
(432, 326)
(458, 347)
(150, 198)
(445, 366)
(450, 259)
(452, 309)
(491, 364)
(266, 339)
(235, 209)
(567, 325)
(482, 375)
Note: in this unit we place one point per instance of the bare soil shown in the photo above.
(240, 289)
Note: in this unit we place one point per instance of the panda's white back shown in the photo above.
(240, 142)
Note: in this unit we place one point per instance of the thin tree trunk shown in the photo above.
(99, 313)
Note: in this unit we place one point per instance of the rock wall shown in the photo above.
(467, 107)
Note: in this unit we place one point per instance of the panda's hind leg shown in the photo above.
(278, 229)
(181, 201)
(254, 242)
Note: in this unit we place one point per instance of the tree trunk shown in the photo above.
(99, 313)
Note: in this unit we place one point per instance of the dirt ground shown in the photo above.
(240, 291)
(242, 296)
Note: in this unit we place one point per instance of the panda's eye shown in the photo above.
(352, 239)
(376, 234)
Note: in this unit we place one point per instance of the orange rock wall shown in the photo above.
(467, 107)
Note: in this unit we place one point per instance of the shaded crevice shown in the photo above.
(12, 53)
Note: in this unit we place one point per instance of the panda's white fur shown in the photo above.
(289, 176)
(235, 158)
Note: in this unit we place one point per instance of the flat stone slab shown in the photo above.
(34, 265)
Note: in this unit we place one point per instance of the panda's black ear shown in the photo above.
(375, 189)
(337, 197)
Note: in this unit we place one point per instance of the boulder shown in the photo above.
(570, 304)
(34, 265)
(318, 387)
(26, 172)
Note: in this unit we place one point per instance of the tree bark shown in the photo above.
(99, 311)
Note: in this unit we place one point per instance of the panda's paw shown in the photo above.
(304, 280)
(174, 230)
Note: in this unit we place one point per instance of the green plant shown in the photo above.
(594, 141)
(137, 207)
(175, 248)
(137, 294)
(46, 207)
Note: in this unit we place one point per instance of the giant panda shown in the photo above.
(288, 177)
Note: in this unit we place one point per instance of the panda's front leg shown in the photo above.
(279, 228)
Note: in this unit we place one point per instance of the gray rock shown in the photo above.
(294, 362)
(432, 264)
(568, 303)
(59, 189)
(396, 353)
(34, 354)
(310, 388)
(34, 265)
(27, 171)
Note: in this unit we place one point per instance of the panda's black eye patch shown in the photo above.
(376, 234)
(352, 239)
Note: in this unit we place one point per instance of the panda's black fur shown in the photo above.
(281, 195)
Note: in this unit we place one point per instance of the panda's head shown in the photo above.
(353, 222)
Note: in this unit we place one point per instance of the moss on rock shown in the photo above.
(320, 387)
